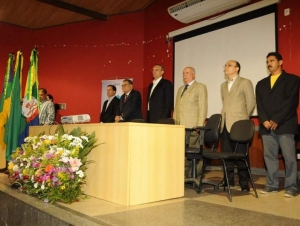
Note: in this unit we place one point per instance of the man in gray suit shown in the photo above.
(238, 103)
(191, 109)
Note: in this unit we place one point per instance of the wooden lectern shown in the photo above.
(136, 163)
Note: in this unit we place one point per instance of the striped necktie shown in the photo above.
(125, 99)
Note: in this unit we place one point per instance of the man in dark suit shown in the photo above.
(110, 106)
(160, 96)
(130, 106)
(277, 100)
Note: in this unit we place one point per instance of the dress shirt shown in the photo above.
(189, 84)
(230, 82)
(109, 100)
(155, 82)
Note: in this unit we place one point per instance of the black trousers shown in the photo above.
(227, 145)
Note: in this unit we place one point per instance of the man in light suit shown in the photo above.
(130, 106)
(160, 97)
(191, 109)
(110, 106)
(238, 103)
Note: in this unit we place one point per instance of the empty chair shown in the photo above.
(241, 133)
(209, 135)
(166, 121)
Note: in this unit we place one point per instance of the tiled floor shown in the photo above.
(207, 208)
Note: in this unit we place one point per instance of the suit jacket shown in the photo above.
(132, 108)
(161, 101)
(108, 115)
(191, 108)
(279, 103)
(238, 103)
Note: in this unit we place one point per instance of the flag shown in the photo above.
(12, 127)
(5, 106)
(31, 100)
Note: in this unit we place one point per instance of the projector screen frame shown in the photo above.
(271, 9)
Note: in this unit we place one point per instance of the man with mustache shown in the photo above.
(277, 100)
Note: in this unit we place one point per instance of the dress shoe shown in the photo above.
(224, 184)
(245, 188)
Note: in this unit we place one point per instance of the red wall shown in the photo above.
(74, 58)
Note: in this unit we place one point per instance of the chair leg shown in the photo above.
(203, 181)
(194, 172)
(227, 181)
(251, 179)
(193, 180)
(201, 176)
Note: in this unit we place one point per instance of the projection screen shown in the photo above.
(247, 38)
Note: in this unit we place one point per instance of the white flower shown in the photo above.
(66, 152)
(50, 137)
(80, 173)
(43, 187)
(29, 139)
(59, 149)
(16, 168)
(65, 159)
(84, 138)
(70, 137)
(76, 144)
(36, 185)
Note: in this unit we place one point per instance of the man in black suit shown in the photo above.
(110, 106)
(277, 100)
(160, 96)
(130, 106)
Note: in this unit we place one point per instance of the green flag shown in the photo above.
(5, 107)
(12, 127)
(31, 100)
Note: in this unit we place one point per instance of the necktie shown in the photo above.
(185, 88)
(125, 99)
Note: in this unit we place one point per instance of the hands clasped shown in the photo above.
(270, 125)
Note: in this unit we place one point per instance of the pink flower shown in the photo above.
(75, 163)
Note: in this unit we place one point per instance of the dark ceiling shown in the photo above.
(37, 14)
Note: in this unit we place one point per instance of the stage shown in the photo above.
(207, 208)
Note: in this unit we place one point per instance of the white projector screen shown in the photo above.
(246, 40)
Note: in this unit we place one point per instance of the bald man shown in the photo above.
(191, 109)
(238, 104)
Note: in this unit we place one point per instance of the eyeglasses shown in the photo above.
(229, 65)
(124, 85)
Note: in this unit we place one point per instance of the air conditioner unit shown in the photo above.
(192, 10)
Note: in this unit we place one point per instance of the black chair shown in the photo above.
(242, 133)
(170, 121)
(209, 136)
(140, 120)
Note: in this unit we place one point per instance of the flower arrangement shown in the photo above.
(52, 167)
